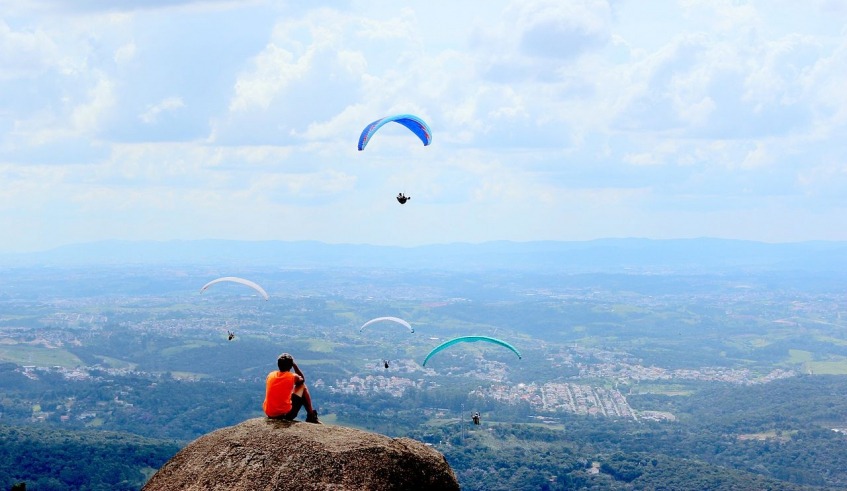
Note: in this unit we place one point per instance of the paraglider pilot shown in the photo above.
(403, 198)
(385, 362)
(476, 418)
(286, 392)
(230, 335)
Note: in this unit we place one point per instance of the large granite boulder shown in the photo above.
(266, 454)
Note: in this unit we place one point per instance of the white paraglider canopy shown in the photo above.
(242, 281)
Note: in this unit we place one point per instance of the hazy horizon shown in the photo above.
(630, 255)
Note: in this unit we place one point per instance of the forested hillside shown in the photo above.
(51, 459)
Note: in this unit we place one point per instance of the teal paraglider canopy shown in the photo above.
(417, 125)
(470, 339)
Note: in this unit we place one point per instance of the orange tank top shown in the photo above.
(278, 389)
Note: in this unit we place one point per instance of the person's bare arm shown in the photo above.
(301, 377)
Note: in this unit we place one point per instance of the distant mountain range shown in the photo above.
(602, 255)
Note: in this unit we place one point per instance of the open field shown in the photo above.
(23, 354)
(659, 389)
(188, 375)
(797, 356)
(832, 340)
(194, 344)
(838, 367)
(321, 346)
(117, 363)
(780, 436)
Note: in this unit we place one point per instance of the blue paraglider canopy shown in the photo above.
(414, 123)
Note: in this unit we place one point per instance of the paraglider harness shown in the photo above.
(476, 418)
(402, 198)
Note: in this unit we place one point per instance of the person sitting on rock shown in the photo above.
(286, 392)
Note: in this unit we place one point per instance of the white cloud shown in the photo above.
(614, 118)
(25, 53)
(151, 115)
(87, 117)
(332, 63)
(94, 7)
(274, 69)
(758, 157)
(826, 179)
(354, 62)
(75, 119)
(563, 30)
(398, 28)
(825, 82)
(125, 53)
(724, 15)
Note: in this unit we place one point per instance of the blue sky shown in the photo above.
(551, 120)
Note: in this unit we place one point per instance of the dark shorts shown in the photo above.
(296, 404)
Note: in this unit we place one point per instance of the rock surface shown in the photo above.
(266, 454)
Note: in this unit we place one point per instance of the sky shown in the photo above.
(551, 120)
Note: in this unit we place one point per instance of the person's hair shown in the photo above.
(285, 362)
